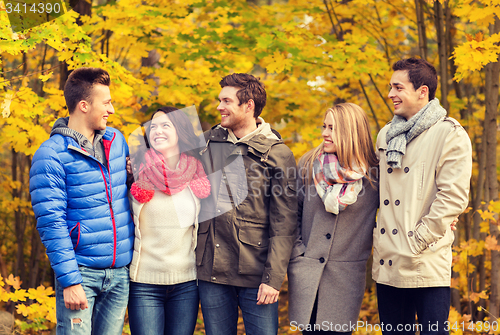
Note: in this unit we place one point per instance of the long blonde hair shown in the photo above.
(352, 138)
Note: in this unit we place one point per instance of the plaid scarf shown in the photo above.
(336, 186)
(154, 174)
(402, 131)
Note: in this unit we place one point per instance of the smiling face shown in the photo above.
(407, 101)
(99, 108)
(163, 135)
(239, 119)
(328, 129)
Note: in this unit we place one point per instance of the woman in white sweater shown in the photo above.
(165, 203)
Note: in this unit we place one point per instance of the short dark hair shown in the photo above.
(420, 72)
(80, 83)
(250, 87)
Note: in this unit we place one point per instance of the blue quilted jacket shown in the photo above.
(81, 206)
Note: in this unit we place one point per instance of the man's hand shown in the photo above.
(75, 298)
(267, 295)
(129, 167)
(454, 224)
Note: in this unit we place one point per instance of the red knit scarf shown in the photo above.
(154, 174)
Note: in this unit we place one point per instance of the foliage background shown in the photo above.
(310, 55)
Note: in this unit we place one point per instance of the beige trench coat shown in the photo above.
(412, 240)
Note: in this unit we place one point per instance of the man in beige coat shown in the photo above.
(425, 169)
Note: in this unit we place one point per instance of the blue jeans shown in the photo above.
(107, 296)
(163, 309)
(219, 304)
(397, 308)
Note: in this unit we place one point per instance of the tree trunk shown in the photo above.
(422, 36)
(491, 97)
(83, 8)
(19, 223)
(443, 55)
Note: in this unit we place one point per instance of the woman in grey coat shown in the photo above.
(338, 201)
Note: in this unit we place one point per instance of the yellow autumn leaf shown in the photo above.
(474, 296)
(486, 215)
(23, 309)
(18, 295)
(484, 227)
(5, 107)
(491, 243)
(277, 62)
(13, 281)
(45, 77)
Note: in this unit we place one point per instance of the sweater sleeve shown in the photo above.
(49, 201)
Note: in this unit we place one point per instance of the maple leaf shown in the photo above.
(475, 296)
(491, 243)
(5, 107)
(23, 309)
(18, 295)
(13, 281)
(466, 318)
(45, 77)
(40, 292)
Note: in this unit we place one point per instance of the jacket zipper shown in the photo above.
(110, 194)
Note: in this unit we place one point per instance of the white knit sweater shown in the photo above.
(165, 238)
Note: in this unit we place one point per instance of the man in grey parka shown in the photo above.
(425, 169)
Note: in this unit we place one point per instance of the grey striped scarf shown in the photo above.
(402, 131)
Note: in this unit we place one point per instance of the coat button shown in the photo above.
(328, 236)
(390, 263)
(322, 260)
(381, 262)
(410, 233)
(258, 243)
(217, 245)
(397, 202)
(407, 169)
(213, 278)
(394, 231)
(389, 170)
(386, 202)
(382, 231)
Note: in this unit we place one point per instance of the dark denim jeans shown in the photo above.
(163, 309)
(107, 295)
(219, 304)
(397, 308)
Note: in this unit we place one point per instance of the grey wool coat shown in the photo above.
(329, 257)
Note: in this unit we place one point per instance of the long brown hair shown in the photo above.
(353, 140)
(187, 139)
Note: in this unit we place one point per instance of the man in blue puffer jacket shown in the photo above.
(79, 196)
